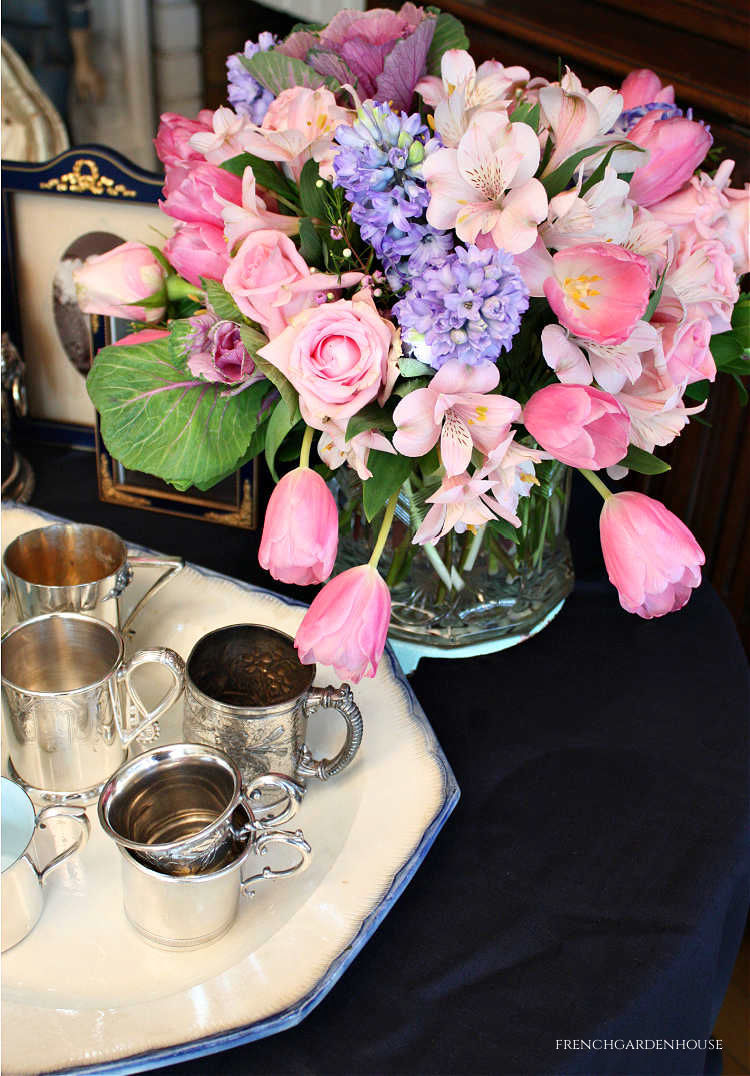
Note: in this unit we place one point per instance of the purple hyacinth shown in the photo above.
(467, 308)
(628, 119)
(379, 168)
(245, 94)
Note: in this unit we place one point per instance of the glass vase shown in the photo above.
(474, 592)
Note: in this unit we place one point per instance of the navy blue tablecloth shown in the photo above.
(593, 882)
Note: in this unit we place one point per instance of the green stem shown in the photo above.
(177, 288)
(596, 482)
(384, 531)
(304, 455)
(476, 545)
(542, 536)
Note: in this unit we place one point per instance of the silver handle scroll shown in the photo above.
(341, 699)
(73, 814)
(174, 664)
(292, 840)
(172, 566)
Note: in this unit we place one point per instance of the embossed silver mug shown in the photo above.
(182, 809)
(77, 568)
(247, 693)
(70, 708)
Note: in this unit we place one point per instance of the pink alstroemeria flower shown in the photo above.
(650, 555)
(510, 469)
(578, 425)
(578, 118)
(455, 408)
(462, 501)
(252, 215)
(486, 187)
(334, 449)
(657, 412)
(599, 290)
(347, 624)
(611, 365)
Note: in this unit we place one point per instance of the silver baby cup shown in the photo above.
(22, 879)
(70, 708)
(247, 692)
(174, 912)
(182, 809)
(78, 568)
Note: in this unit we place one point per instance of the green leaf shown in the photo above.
(388, 474)
(643, 462)
(559, 179)
(222, 303)
(525, 112)
(598, 174)
(741, 390)
(726, 349)
(312, 197)
(403, 388)
(449, 34)
(741, 321)
(278, 380)
(698, 391)
(502, 526)
(310, 244)
(158, 418)
(655, 297)
(278, 426)
(266, 174)
(370, 417)
(414, 368)
(278, 72)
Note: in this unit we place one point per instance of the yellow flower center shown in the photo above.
(578, 288)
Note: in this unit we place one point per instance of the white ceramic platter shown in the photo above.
(84, 992)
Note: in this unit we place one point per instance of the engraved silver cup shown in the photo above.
(78, 568)
(247, 693)
(70, 708)
(182, 809)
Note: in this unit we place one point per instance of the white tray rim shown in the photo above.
(293, 1014)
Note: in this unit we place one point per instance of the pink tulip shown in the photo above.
(199, 193)
(676, 147)
(173, 137)
(347, 624)
(126, 282)
(650, 555)
(300, 531)
(599, 291)
(197, 250)
(578, 425)
(644, 87)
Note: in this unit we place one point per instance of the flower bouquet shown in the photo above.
(461, 282)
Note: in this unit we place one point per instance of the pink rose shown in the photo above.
(339, 357)
(195, 193)
(643, 87)
(300, 530)
(347, 624)
(198, 250)
(650, 555)
(126, 282)
(676, 147)
(173, 137)
(599, 291)
(687, 352)
(271, 282)
(578, 425)
(218, 354)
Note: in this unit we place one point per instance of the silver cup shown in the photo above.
(182, 809)
(78, 568)
(247, 693)
(186, 912)
(70, 708)
(23, 881)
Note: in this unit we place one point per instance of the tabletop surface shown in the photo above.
(592, 883)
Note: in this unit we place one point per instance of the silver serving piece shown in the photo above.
(247, 693)
(182, 809)
(22, 880)
(79, 568)
(70, 708)
(185, 912)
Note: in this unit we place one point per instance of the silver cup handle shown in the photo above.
(172, 566)
(73, 814)
(271, 782)
(341, 699)
(171, 661)
(292, 840)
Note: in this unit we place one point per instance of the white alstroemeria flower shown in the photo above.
(602, 214)
(227, 138)
(610, 365)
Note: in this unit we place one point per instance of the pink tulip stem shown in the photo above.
(304, 455)
(597, 483)
(384, 531)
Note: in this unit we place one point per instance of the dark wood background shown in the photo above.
(702, 48)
